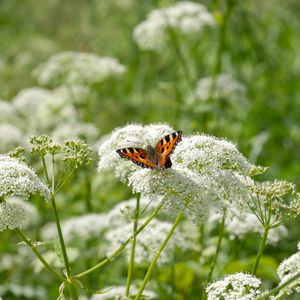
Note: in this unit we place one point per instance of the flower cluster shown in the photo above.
(222, 86)
(7, 112)
(185, 17)
(278, 198)
(83, 227)
(234, 287)
(206, 171)
(10, 137)
(77, 68)
(18, 179)
(287, 269)
(12, 215)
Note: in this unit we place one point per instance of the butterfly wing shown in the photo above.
(166, 145)
(138, 156)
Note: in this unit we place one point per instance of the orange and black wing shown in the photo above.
(166, 145)
(137, 156)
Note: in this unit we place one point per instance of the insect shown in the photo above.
(157, 157)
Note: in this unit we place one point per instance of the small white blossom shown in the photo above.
(185, 17)
(117, 292)
(75, 93)
(82, 227)
(18, 179)
(287, 269)
(75, 130)
(27, 100)
(223, 86)
(239, 286)
(148, 241)
(23, 291)
(10, 137)
(240, 223)
(12, 215)
(133, 135)
(77, 68)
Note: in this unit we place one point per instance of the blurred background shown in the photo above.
(237, 78)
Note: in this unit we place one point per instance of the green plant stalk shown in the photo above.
(39, 256)
(280, 287)
(133, 242)
(218, 249)
(261, 249)
(61, 238)
(73, 292)
(221, 234)
(116, 252)
(156, 257)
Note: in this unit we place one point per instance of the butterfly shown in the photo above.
(157, 157)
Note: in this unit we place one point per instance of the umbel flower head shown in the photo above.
(77, 68)
(12, 215)
(287, 269)
(206, 171)
(185, 17)
(18, 179)
(234, 287)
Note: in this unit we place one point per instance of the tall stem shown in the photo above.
(221, 234)
(133, 242)
(39, 256)
(61, 238)
(261, 249)
(116, 252)
(156, 257)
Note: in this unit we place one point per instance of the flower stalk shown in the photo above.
(156, 257)
(133, 242)
(116, 252)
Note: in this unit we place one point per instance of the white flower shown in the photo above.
(75, 130)
(74, 93)
(206, 171)
(185, 17)
(117, 292)
(12, 215)
(10, 137)
(7, 112)
(23, 291)
(148, 241)
(287, 269)
(77, 68)
(133, 135)
(223, 86)
(18, 179)
(239, 286)
(27, 100)
(240, 223)
(83, 227)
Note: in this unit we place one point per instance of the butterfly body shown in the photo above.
(157, 157)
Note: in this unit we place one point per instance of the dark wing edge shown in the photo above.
(167, 144)
(137, 156)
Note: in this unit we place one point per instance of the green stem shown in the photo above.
(116, 252)
(218, 249)
(261, 249)
(39, 256)
(61, 238)
(280, 287)
(133, 242)
(73, 292)
(45, 168)
(221, 234)
(156, 257)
